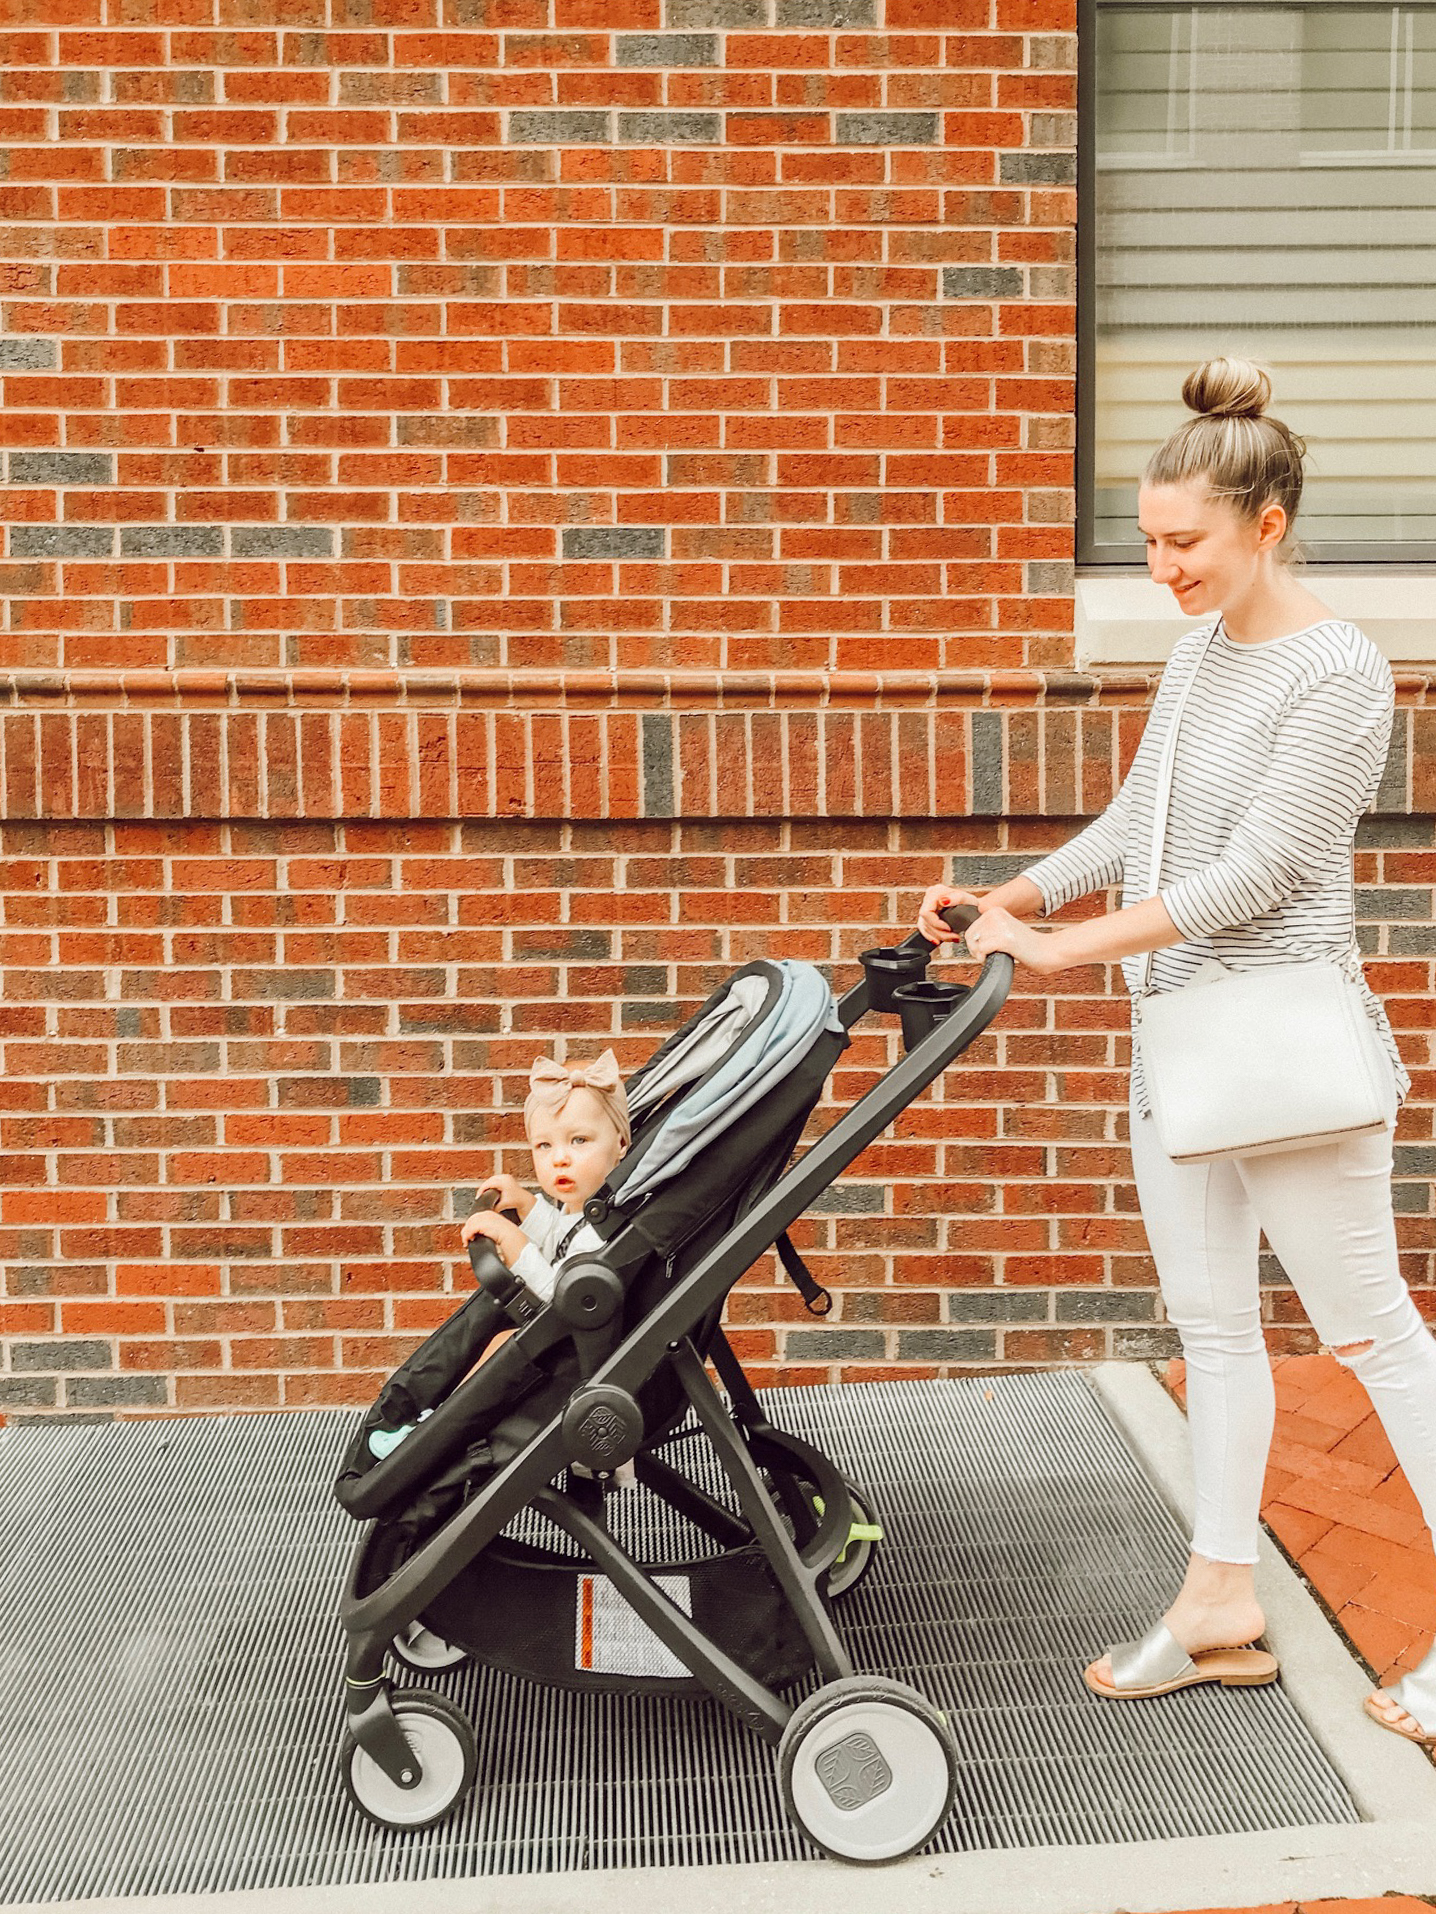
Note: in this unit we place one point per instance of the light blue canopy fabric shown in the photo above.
(773, 1045)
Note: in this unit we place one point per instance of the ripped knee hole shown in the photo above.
(1345, 1351)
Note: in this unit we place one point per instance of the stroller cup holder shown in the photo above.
(888, 968)
(898, 983)
(922, 1007)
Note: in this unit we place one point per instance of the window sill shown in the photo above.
(1123, 618)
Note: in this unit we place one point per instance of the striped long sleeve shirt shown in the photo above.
(1281, 749)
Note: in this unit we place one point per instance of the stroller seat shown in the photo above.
(499, 1530)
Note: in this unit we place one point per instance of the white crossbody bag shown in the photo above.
(1244, 1062)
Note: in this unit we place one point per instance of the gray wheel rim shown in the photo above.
(441, 1756)
(870, 1780)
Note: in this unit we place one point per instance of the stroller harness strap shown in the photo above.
(816, 1300)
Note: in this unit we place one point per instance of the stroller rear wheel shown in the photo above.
(868, 1769)
(443, 1745)
(421, 1649)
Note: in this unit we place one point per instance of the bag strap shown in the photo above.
(1163, 797)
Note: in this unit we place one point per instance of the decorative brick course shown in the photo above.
(887, 749)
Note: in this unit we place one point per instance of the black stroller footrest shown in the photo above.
(369, 1487)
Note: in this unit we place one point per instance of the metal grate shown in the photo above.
(171, 1662)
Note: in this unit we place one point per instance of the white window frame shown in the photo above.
(1125, 618)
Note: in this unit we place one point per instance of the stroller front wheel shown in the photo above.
(421, 1649)
(867, 1769)
(443, 1745)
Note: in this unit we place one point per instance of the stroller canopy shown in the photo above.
(734, 1055)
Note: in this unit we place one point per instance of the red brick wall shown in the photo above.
(240, 1171)
(251, 1067)
(510, 512)
(538, 335)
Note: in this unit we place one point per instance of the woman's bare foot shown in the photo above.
(1384, 1704)
(1215, 1608)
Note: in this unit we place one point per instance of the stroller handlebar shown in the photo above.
(957, 917)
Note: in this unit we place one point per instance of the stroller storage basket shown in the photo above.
(501, 1527)
(553, 1619)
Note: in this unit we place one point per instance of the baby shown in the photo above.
(576, 1120)
(577, 1124)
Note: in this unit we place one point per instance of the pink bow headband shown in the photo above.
(551, 1084)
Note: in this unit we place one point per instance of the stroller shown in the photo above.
(494, 1518)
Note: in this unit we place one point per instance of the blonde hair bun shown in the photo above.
(1233, 445)
(1227, 389)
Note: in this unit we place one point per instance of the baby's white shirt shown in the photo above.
(547, 1227)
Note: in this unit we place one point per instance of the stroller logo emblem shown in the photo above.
(854, 1772)
(602, 1431)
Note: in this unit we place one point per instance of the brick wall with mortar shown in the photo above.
(513, 507)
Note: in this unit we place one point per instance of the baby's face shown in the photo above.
(573, 1149)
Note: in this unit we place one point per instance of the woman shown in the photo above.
(1280, 750)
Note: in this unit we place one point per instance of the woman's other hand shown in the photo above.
(939, 898)
(507, 1238)
(511, 1194)
(1042, 951)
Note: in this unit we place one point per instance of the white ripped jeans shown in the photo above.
(1327, 1215)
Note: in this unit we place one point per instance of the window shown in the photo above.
(1261, 180)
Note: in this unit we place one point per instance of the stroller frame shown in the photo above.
(589, 1294)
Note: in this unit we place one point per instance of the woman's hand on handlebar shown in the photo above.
(1019, 897)
(939, 898)
(997, 929)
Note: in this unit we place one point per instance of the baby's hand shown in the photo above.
(511, 1194)
(507, 1238)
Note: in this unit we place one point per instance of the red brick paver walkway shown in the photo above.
(1343, 1513)
(1387, 1904)
(1341, 1508)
